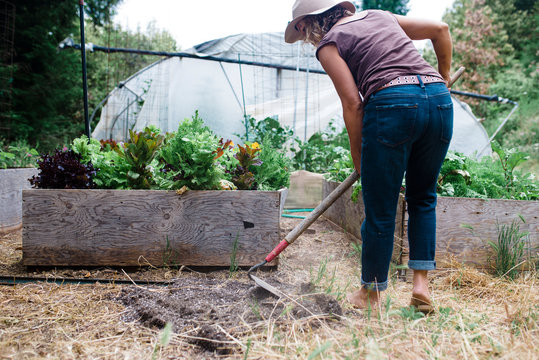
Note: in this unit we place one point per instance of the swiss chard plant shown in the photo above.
(242, 175)
(139, 153)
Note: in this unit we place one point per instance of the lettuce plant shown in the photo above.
(188, 158)
(111, 168)
(273, 172)
(63, 170)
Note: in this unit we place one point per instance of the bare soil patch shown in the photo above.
(204, 307)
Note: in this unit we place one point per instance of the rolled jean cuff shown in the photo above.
(422, 264)
(378, 286)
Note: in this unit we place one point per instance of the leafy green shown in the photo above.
(321, 150)
(273, 173)
(340, 168)
(139, 153)
(489, 178)
(268, 129)
(112, 168)
(509, 160)
(188, 158)
(17, 155)
(63, 169)
(242, 174)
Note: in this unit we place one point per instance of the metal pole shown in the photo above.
(296, 92)
(64, 45)
(497, 130)
(126, 126)
(84, 82)
(306, 108)
(243, 97)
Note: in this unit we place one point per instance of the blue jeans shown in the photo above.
(406, 130)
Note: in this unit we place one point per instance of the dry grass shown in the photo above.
(479, 316)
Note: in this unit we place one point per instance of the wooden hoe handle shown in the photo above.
(315, 214)
(455, 76)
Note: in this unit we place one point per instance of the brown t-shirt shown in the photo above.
(376, 50)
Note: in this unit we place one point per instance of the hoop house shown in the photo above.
(239, 76)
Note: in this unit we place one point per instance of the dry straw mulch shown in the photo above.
(478, 316)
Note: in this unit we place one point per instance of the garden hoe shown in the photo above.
(315, 214)
(300, 228)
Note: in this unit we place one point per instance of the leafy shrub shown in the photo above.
(322, 149)
(491, 178)
(17, 155)
(63, 170)
(268, 129)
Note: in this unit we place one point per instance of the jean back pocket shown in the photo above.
(395, 123)
(446, 117)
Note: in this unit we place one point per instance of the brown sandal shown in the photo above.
(422, 303)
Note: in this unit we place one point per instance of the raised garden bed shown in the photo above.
(12, 182)
(464, 225)
(143, 227)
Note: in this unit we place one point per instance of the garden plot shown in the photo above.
(221, 314)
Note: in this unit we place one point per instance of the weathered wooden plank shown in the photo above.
(350, 215)
(12, 181)
(455, 240)
(117, 227)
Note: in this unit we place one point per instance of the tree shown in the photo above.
(497, 42)
(479, 41)
(399, 7)
(47, 91)
(519, 20)
(101, 11)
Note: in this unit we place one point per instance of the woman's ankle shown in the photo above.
(420, 282)
(364, 298)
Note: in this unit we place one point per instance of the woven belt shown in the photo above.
(411, 79)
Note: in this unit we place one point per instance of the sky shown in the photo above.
(192, 22)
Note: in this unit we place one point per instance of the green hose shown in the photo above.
(287, 211)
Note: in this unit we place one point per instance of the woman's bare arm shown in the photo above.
(437, 32)
(346, 87)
